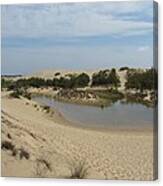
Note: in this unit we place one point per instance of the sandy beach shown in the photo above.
(35, 145)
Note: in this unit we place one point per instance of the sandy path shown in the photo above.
(56, 150)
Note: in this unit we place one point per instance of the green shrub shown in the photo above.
(105, 77)
(112, 94)
(46, 108)
(27, 95)
(16, 93)
(6, 83)
(23, 154)
(57, 74)
(146, 80)
(7, 145)
(72, 81)
(123, 68)
(82, 80)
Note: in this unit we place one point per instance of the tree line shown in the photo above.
(146, 80)
(106, 77)
(135, 80)
(72, 81)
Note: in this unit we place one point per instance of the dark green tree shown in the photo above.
(105, 78)
(82, 80)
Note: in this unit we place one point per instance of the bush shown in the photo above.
(105, 78)
(27, 95)
(112, 94)
(142, 80)
(47, 108)
(99, 78)
(82, 80)
(25, 83)
(113, 78)
(57, 74)
(16, 93)
(20, 92)
(5, 83)
(7, 145)
(123, 68)
(72, 81)
(23, 154)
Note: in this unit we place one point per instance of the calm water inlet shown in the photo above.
(119, 115)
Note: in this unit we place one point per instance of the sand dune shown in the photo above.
(49, 74)
(35, 145)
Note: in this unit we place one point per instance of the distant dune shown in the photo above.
(49, 74)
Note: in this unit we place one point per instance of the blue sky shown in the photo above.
(76, 36)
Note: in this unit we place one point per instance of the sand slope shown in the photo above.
(56, 150)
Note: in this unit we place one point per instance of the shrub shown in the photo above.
(113, 78)
(20, 92)
(105, 78)
(27, 95)
(23, 154)
(112, 94)
(16, 93)
(79, 171)
(5, 83)
(25, 83)
(100, 78)
(82, 80)
(49, 83)
(123, 68)
(71, 81)
(57, 74)
(142, 80)
(7, 145)
(47, 108)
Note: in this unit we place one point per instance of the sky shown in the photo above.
(99, 35)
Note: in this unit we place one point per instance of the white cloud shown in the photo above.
(80, 19)
(143, 48)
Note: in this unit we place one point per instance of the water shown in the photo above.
(119, 115)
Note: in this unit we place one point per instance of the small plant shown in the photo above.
(15, 94)
(23, 154)
(79, 171)
(47, 108)
(106, 78)
(27, 95)
(123, 68)
(9, 136)
(35, 105)
(57, 74)
(42, 167)
(14, 152)
(7, 145)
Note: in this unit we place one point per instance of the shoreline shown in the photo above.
(99, 94)
(77, 102)
(95, 103)
(58, 117)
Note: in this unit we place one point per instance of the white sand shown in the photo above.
(61, 151)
